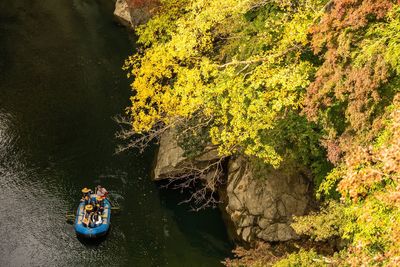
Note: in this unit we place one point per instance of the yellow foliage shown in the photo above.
(202, 66)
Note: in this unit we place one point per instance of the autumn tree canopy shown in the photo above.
(314, 80)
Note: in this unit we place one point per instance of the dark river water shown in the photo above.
(60, 85)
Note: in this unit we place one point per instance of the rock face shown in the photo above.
(122, 13)
(131, 13)
(262, 207)
(259, 204)
(171, 161)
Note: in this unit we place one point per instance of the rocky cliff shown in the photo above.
(259, 201)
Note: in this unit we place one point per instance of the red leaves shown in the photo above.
(349, 86)
(337, 33)
(333, 150)
(344, 14)
(368, 167)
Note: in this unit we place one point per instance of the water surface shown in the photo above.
(60, 85)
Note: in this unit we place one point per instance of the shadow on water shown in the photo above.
(202, 231)
(93, 242)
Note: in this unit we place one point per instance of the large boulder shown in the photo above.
(131, 13)
(122, 13)
(171, 162)
(261, 203)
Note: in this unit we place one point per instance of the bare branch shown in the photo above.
(140, 140)
(210, 176)
(201, 178)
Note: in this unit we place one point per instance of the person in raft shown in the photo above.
(95, 219)
(99, 205)
(101, 191)
(86, 195)
(88, 211)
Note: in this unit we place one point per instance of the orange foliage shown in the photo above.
(347, 90)
(368, 167)
(347, 14)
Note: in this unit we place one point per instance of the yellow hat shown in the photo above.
(99, 198)
(88, 207)
(86, 190)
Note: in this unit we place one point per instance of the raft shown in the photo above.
(96, 231)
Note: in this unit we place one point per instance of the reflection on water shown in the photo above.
(60, 85)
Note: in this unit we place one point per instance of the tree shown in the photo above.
(244, 65)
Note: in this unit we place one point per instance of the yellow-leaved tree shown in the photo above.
(243, 65)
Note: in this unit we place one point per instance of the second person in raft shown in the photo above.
(101, 191)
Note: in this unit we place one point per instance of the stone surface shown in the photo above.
(141, 14)
(122, 13)
(171, 161)
(133, 13)
(262, 207)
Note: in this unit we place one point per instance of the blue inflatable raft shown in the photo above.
(95, 230)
